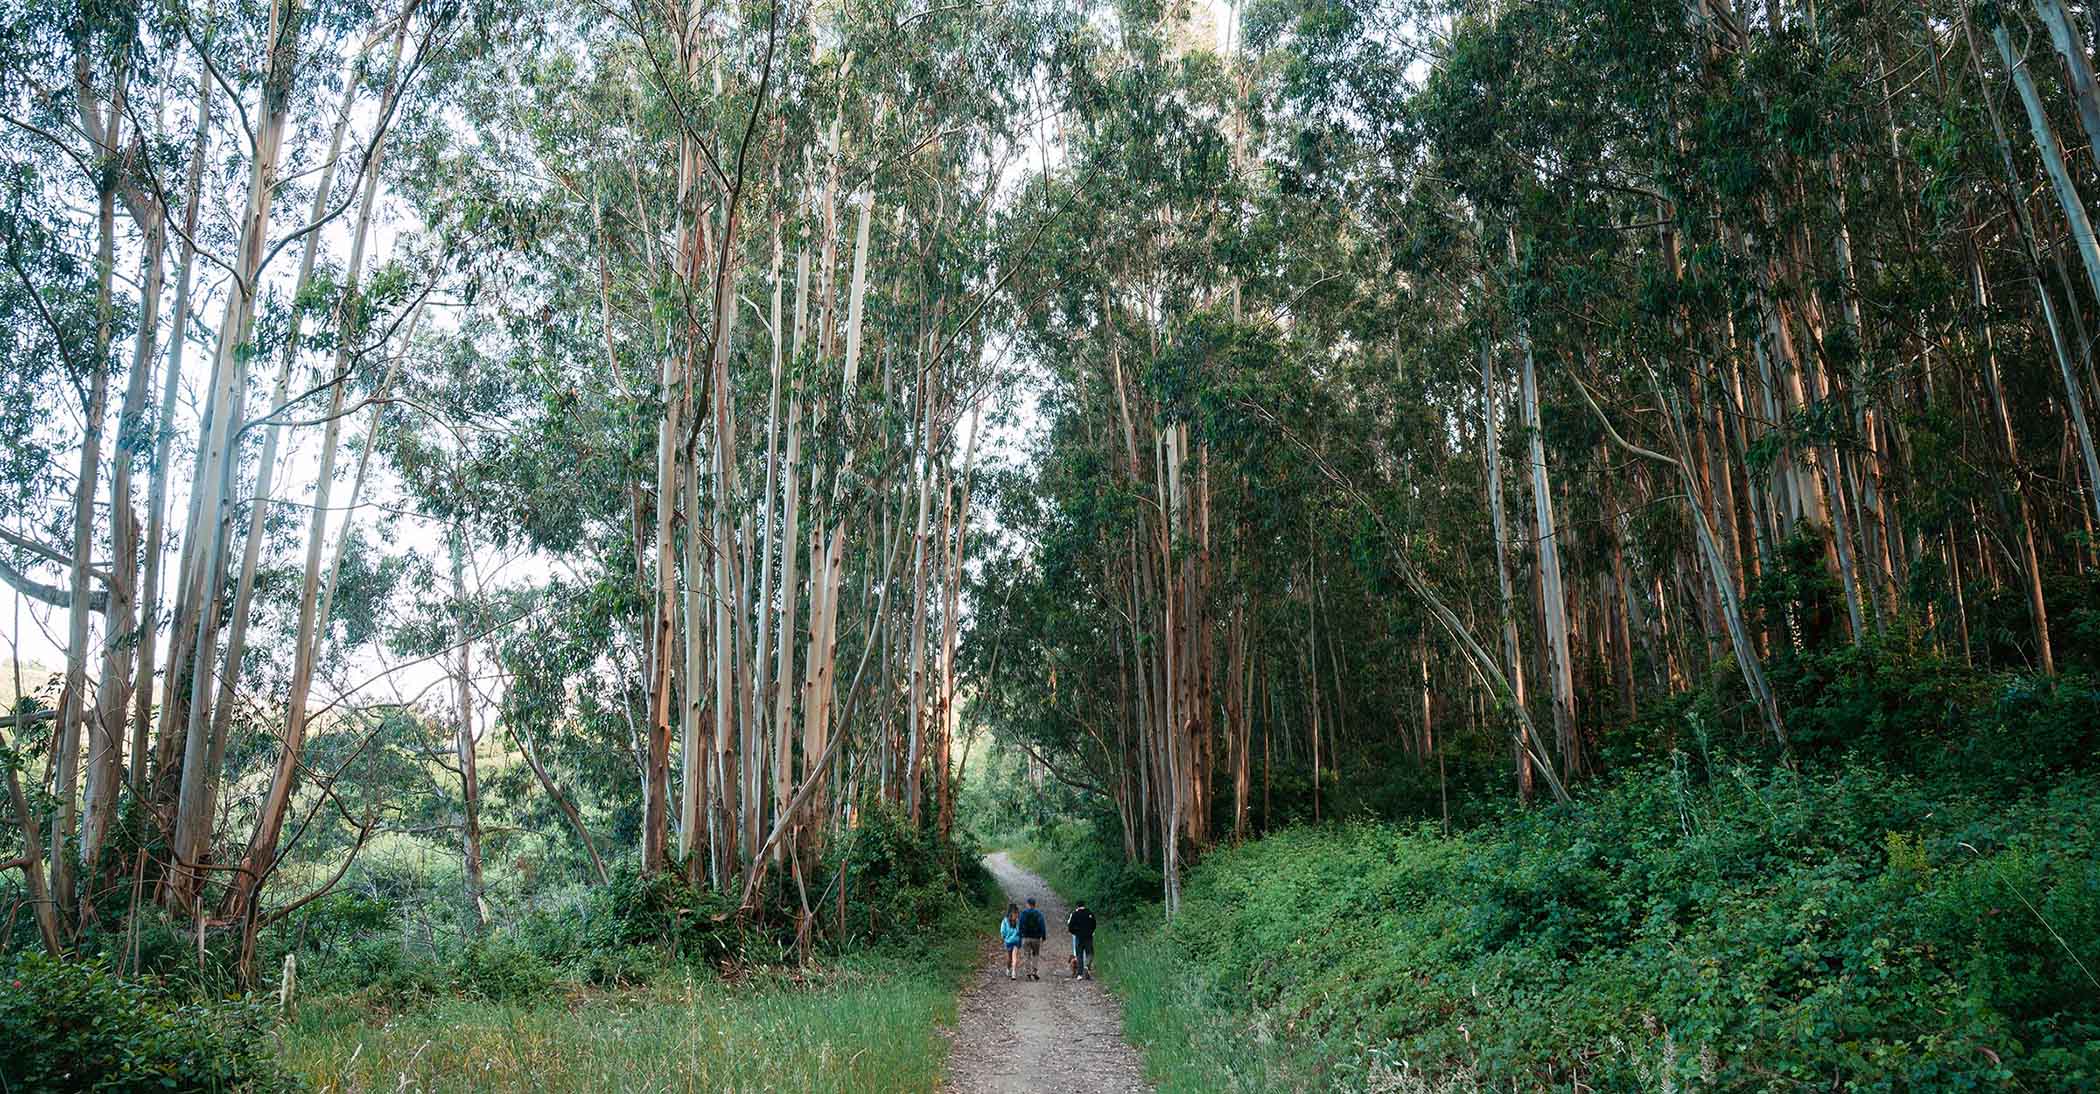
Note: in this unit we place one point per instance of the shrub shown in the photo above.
(1739, 927)
(72, 1025)
(378, 965)
(904, 883)
(1079, 860)
(502, 969)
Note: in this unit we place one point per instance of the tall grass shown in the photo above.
(871, 1025)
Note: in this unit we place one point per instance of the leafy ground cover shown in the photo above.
(1692, 925)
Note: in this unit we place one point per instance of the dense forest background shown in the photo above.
(511, 492)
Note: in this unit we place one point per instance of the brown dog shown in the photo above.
(1074, 959)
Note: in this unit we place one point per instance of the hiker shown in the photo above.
(1081, 927)
(1010, 933)
(1033, 931)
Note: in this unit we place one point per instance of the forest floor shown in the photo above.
(1057, 1033)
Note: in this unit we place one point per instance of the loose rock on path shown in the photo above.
(1056, 1035)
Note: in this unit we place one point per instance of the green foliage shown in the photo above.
(646, 983)
(906, 887)
(1172, 1013)
(1687, 924)
(72, 1025)
(903, 882)
(870, 1023)
(1080, 860)
(503, 968)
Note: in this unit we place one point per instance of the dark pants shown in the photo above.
(1083, 950)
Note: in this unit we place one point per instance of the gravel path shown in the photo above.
(1055, 1035)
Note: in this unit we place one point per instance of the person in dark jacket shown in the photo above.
(1081, 927)
(1034, 929)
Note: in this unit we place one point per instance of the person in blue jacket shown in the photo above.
(1010, 933)
(1034, 931)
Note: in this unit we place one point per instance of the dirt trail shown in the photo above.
(1056, 1035)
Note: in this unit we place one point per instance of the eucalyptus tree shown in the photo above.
(768, 220)
(1621, 331)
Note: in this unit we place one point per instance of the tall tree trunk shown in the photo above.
(143, 774)
(2078, 68)
(2081, 233)
(258, 861)
(790, 554)
(1512, 656)
(762, 685)
(469, 780)
(1553, 599)
(947, 708)
(75, 714)
(921, 564)
(106, 743)
(2001, 420)
(266, 465)
(210, 507)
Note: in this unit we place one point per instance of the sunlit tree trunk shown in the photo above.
(143, 773)
(315, 599)
(790, 554)
(76, 720)
(106, 742)
(210, 508)
(2081, 233)
(266, 465)
(2070, 44)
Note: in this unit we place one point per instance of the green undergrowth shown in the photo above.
(644, 982)
(649, 984)
(76, 1026)
(867, 1022)
(1688, 926)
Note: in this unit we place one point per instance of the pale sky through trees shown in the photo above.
(35, 632)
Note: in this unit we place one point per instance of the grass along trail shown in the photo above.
(1057, 1033)
(873, 1023)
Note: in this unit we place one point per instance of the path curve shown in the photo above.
(1056, 1034)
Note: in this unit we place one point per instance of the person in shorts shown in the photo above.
(1010, 934)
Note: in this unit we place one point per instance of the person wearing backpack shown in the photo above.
(1034, 929)
(1080, 925)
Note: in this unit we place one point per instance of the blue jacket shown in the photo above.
(1009, 932)
(1032, 924)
